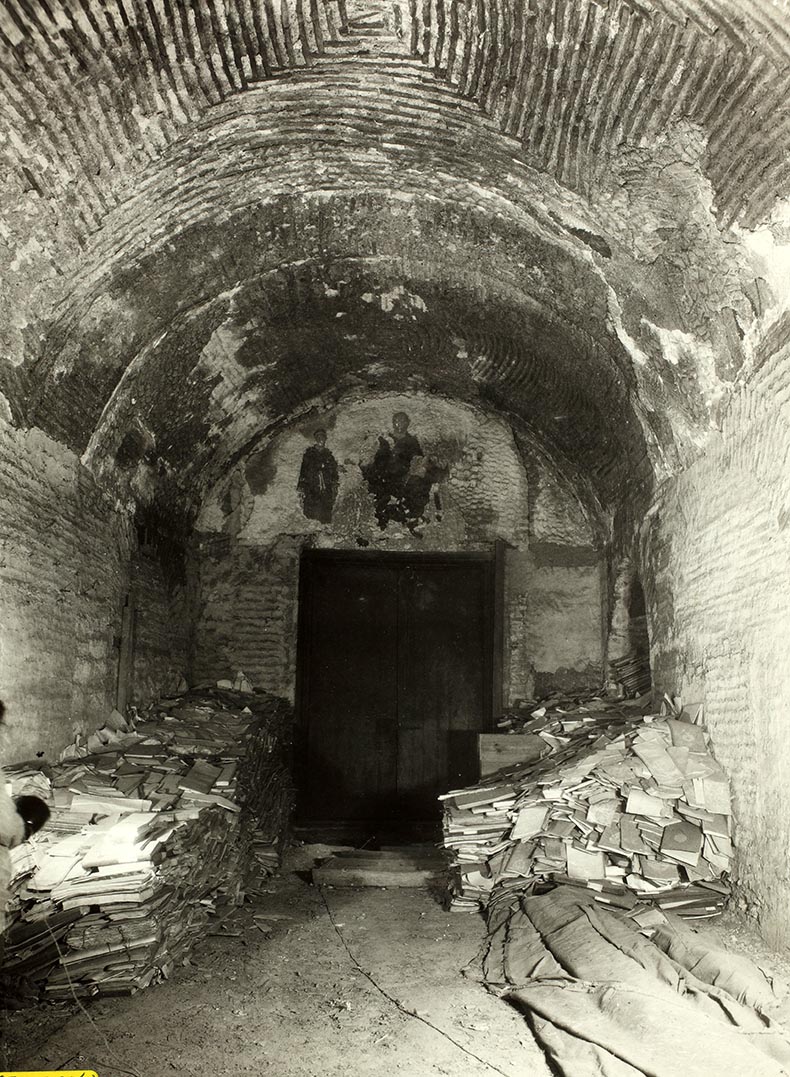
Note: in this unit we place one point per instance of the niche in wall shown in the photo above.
(628, 644)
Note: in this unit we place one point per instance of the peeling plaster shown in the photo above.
(769, 252)
(219, 362)
(27, 254)
(682, 349)
(615, 321)
(397, 299)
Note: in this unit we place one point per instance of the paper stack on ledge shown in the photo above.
(632, 672)
(151, 831)
(632, 807)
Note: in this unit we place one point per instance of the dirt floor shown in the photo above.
(307, 981)
(334, 982)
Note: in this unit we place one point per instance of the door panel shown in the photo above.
(351, 759)
(395, 662)
(443, 679)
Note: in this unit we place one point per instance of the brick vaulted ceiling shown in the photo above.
(223, 213)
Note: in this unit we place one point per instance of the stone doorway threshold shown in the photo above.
(370, 835)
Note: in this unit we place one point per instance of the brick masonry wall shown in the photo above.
(161, 632)
(64, 575)
(246, 611)
(64, 571)
(718, 551)
(252, 530)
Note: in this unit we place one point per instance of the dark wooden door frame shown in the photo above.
(494, 612)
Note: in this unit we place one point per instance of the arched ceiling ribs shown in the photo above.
(95, 91)
(193, 189)
(226, 369)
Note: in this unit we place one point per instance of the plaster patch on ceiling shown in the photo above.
(400, 297)
(231, 400)
(615, 321)
(768, 250)
(27, 253)
(684, 351)
(396, 301)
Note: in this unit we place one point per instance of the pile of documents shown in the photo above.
(632, 807)
(150, 834)
(632, 672)
(265, 786)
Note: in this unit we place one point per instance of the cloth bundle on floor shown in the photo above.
(603, 999)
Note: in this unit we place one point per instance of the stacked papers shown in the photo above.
(633, 807)
(146, 840)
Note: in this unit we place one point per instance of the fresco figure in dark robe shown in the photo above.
(318, 480)
(399, 477)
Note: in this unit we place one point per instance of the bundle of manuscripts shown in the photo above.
(145, 842)
(632, 807)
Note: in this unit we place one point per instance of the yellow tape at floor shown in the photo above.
(48, 1073)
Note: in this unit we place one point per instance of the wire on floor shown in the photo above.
(395, 1002)
(115, 1061)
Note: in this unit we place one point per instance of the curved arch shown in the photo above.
(98, 91)
(203, 373)
(448, 163)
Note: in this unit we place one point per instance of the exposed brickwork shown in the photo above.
(222, 219)
(65, 572)
(574, 81)
(246, 611)
(569, 82)
(253, 342)
(161, 629)
(554, 180)
(718, 551)
(64, 564)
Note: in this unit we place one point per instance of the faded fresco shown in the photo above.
(414, 473)
(401, 479)
(319, 479)
(388, 472)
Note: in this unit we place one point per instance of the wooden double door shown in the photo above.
(395, 681)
